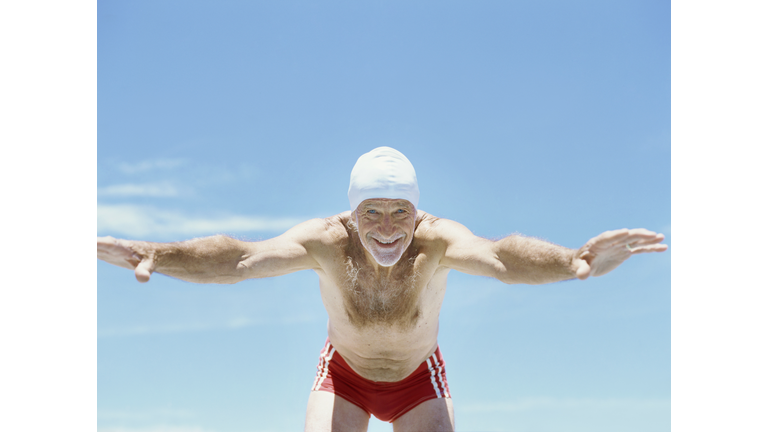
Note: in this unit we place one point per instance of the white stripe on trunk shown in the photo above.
(432, 377)
(321, 366)
(325, 369)
(440, 377)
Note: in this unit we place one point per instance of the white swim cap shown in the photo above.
(383, 173)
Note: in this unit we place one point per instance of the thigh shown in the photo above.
(327, 412)
(432, 415)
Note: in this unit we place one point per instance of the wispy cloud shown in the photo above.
(148, 165)
(145, 190)
(527, 404)
(156, 329)
(231, 324)
(138, 221)
(156, 428)
(175, 328)
(160, 414)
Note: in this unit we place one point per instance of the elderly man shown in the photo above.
(382, 268)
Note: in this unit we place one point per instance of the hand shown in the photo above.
(605, 252)
(124, 253)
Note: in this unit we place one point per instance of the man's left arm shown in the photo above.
(518, 259)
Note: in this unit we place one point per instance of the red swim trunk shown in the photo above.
(385, 400)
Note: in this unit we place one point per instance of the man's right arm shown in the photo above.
(218, 259)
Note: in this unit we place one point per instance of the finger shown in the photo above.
(640, 244)
(643, 236)
(117, 255)
(583, 271)
(108, 240)
(110, 245)
(650, 248)
(144, 270)
(613, 237)
(105, 245)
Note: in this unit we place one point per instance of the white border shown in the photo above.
(719, 295)
(48, 294)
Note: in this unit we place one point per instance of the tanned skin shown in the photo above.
(382, 271)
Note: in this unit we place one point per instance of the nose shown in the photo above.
(387, 228)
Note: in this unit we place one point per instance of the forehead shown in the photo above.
(385, 203)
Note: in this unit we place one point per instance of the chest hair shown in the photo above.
(375, 300)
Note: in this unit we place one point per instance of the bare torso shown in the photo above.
(383, 325)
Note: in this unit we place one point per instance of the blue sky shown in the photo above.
(550, 119)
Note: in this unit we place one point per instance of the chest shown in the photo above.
(393, 298)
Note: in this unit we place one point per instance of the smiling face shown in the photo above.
(386, 227)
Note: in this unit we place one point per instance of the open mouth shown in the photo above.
(389, 243)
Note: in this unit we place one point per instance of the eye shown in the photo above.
(371, 212)
(401, 211)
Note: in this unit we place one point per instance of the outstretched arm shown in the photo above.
(217, 259)
(518, 259)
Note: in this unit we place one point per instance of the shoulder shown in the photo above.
(443, 237)
(433, 228)
(439, 231)
(329, 230)
(317, 237)
(447, 236)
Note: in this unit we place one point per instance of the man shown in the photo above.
(383, 268)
